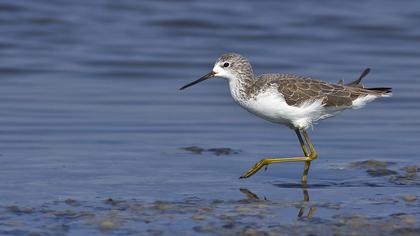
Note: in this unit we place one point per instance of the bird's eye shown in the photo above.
(226, 64)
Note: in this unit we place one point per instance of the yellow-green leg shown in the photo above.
(312, 156)
(302, 143)
(307, 158)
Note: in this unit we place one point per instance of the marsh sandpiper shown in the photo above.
(294, 101)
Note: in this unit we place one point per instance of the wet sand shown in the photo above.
(250, 213)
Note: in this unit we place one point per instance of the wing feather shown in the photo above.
(298, 90)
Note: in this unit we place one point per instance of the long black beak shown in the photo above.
(207, 76)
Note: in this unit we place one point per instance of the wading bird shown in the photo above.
(294, 101)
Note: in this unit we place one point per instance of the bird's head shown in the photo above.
(230, 66)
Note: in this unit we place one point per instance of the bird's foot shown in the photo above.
(268, 161)
(254, 169)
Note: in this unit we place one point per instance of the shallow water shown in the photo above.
(90, 110)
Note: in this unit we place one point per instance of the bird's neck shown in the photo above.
(241, 88)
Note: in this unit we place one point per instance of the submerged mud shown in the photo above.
(215, 151)
(247, 216)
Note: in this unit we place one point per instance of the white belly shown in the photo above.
(272, 106)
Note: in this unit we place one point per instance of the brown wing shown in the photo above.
(297, 90)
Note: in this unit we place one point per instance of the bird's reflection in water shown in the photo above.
(302, 209)
(301, 214)
(250, 195)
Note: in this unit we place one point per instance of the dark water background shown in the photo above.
(90, 107)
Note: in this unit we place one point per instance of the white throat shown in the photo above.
(237, 85)
(225, 74)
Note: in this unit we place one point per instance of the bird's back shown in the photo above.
(298, 90)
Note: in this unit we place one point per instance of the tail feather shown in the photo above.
(381, 90)
(357, 83)
(378, 91)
